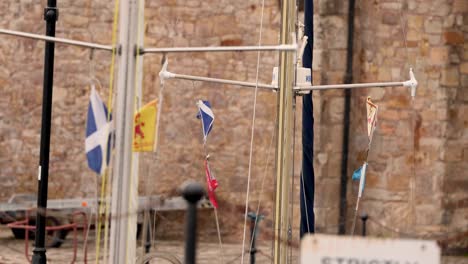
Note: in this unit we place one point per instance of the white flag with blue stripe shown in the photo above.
(207, 117)
(97, 134)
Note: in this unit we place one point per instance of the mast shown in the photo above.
(125, 174)
(285, 127)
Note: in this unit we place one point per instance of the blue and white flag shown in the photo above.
(360, 174)
(97, 134)
(357, 174)
(207, 117)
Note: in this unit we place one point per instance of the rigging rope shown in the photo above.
(265, 173)
(219, 235)
(156, 145)
(215, 210)
(96, 192)
(252, 132)
(291, 204)
(413, 124)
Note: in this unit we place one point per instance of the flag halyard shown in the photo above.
(360, 174)
(206, 115)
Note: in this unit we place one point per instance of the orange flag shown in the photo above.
(371, 117)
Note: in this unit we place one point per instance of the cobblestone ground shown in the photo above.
(12, 252)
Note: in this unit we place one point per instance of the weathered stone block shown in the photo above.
(453, 152)
(460, 6)
(439, 55)
(415, 21)
(390, 18)
(450, 77)
(454, 38)
(331, 7)
(433, 25)
(428, 215)
(464, 68)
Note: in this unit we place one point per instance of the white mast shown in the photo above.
(125, 174)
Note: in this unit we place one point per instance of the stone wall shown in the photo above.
(180, 158)
(417, 177)
(21, 73)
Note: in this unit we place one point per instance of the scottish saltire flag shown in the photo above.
(205, 114)
(212, 184)
(97, 134)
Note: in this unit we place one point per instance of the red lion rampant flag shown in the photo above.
(212, 184)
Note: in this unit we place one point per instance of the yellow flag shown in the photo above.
(144, 132)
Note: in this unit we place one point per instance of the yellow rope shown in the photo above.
(105, 176)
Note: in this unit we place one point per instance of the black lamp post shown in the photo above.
(39, 252)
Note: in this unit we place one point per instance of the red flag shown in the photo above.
(212, 184)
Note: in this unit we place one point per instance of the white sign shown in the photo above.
(326, 249)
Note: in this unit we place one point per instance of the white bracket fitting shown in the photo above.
(164, 74)
(412, 83)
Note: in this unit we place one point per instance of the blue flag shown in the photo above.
(357, 174)
(97, 134)
(205, 114)
(360, 174)
(307, 190)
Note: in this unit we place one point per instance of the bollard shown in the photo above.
(192, 193)
(364, 218)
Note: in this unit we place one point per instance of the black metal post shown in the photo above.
(192, 193)
(39, 252)
(346, 121)
(364, 218)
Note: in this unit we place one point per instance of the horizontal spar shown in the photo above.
(165, 74)
(411, 83)
(291, 47)
(56, 40)
(168, 75)
(222, 81)
(347, 86)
